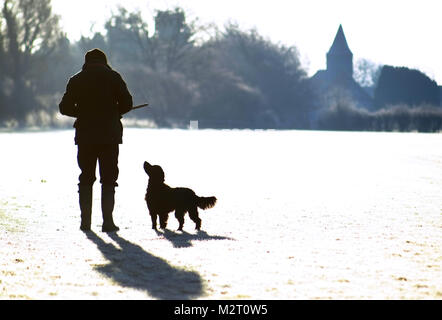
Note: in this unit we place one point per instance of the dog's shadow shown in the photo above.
(131, 266)
(182, 239)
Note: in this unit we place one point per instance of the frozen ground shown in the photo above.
(300, 215)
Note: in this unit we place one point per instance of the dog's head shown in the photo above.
(155, 172)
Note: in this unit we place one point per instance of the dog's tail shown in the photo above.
(205, 202)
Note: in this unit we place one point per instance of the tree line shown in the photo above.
(404, 100)
(230, 78)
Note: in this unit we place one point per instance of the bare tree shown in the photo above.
(165, 50)
(29, 32)
(128, 38)
(173, 37)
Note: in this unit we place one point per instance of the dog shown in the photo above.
(162, 199)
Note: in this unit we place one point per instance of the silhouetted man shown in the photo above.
(97, 97)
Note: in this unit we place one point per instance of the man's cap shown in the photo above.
(95, 55)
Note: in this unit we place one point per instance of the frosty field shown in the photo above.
(300, 215)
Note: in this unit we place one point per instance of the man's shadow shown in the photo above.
(133, 267)
(182, 239)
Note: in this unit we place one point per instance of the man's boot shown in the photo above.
(107, 207)
(85, 199)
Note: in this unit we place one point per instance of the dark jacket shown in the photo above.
(98, 97)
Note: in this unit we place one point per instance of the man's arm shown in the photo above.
(68, 106)
(124, 98)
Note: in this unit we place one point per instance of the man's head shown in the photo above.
(95, 56)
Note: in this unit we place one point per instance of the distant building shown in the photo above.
(338, 79)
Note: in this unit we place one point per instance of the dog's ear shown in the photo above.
(147, 167)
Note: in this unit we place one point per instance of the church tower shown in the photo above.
(339, 57)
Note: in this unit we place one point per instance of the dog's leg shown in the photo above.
(179, 215)
(163, 220)
(193, 214)
(153, 216)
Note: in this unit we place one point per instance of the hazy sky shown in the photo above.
(396, 32)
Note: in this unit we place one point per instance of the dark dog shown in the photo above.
(162, 199)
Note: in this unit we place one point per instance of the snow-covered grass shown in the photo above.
(300, 215)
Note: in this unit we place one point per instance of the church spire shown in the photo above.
(340, 57)
(340, 45)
